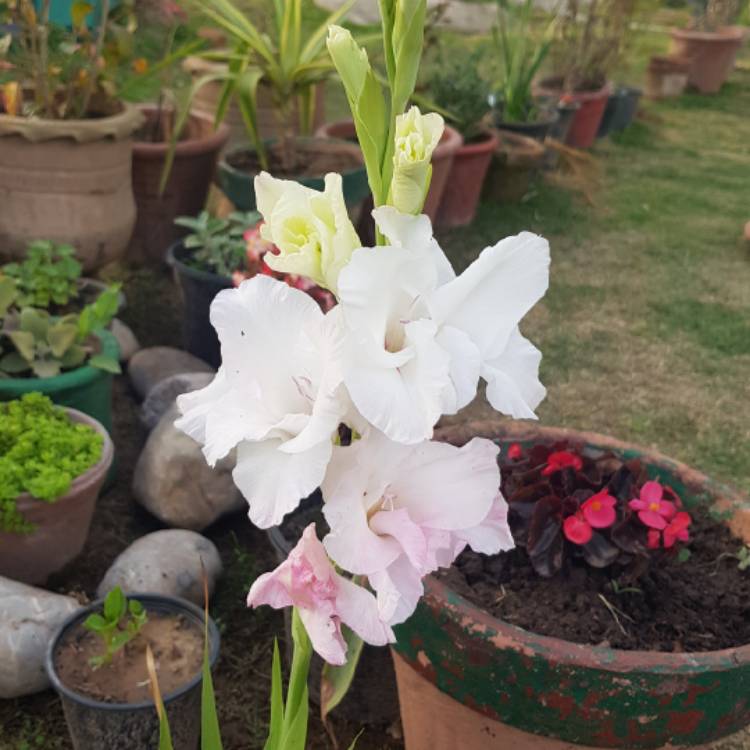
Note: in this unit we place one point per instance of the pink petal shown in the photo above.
(638, 505)
(652, 519)
(358, 609)
(577, 530)
(600, 519)
(272, 589)
(653, 539)
(411, 538)
(667, 509)
(325, 634)
(651, 492)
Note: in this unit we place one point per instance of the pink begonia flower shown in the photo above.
(577, 529)
(324, 599)
(599, 510)
(560, 460)
(675, 531)
(653, 510)
(399, 512)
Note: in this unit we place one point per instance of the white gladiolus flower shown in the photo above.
(418, 338)
(277, 396)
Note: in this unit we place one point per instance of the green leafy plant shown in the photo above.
(521, 56)
(48, 275)
(458, 88)
(286, 59)
(45, 345)
(217, 244)
(58, 73)
(41, 452)
(120, 620)
(710, 15)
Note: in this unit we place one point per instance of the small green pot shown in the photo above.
(86, 388)
(238, 185)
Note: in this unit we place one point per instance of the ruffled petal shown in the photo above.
(358, 609)
(325, 634)
(465, 367)
(399, 589)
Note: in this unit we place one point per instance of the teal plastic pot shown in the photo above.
(238, 184)
(87, 388)
(59, 11)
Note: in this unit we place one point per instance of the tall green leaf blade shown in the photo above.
(277, 702)
(336, 681)
(165, 736)
(210, 732)
(295, 735)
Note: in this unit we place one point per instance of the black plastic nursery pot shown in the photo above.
(538, 129)
(198, 290)
(95, 725)
(620, 110)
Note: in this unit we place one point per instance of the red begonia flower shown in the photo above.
(562, 460)
(514, 451)
(653, 510)
(577, 529)
(654, 537)
(677, 530)
(599, 510)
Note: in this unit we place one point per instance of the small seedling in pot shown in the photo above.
(120, 621)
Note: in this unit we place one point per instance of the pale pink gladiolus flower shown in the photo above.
(324, 599)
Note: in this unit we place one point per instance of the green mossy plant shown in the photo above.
(41, 452)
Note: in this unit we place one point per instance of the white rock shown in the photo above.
(162, 396)
(126, 339)
(28, 619)
(156, 363)
(173, 481)
(165, 562)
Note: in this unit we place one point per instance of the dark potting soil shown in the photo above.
(313, 159)
(177, 646)
(701, 604)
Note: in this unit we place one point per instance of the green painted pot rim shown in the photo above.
(566, 653)
(77, 378)
(239, 174)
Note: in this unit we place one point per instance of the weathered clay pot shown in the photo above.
(666, 76)
(462, 189)
(207, 99)
(186, 189)
(442, 158)
(711, 53)
(61, 526)
(516, 160)
(68, 181)
(469, 680)
(585, 126)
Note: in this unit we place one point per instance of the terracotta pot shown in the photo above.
(207, 99)
(61, 527)
(516, 160)
(711, 54)
(666, 76)
(463, 187)
(68, 181)
(442, 158)
(585, 125)
(186, 189)
(467, 679)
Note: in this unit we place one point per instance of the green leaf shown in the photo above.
(210, 732)
(45, 368)
(683, 555)
(61, 337)
(115, 605)
(8, 293)
(13, 363)
(336, 681)
(24, 343)
(95, 622)
(295, 734)
(354, 741)
(247, 90)
(36, 322)
(74, 357)
(277, 701)
(106, 363)
(78, 12)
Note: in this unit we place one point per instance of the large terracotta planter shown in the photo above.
(463, 187)
(61, 527)
(585, 126)
(469, 680)
(207, 99)
(442, 158)
(186, 189)
(68, 181)
(711, 54)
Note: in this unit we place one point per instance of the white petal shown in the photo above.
(493, 534)
(490, 297)
(513, 385)
(399, 589)
(465, 365)
(415, 234)
(358, 609)
(274, 482)
(449, 488)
